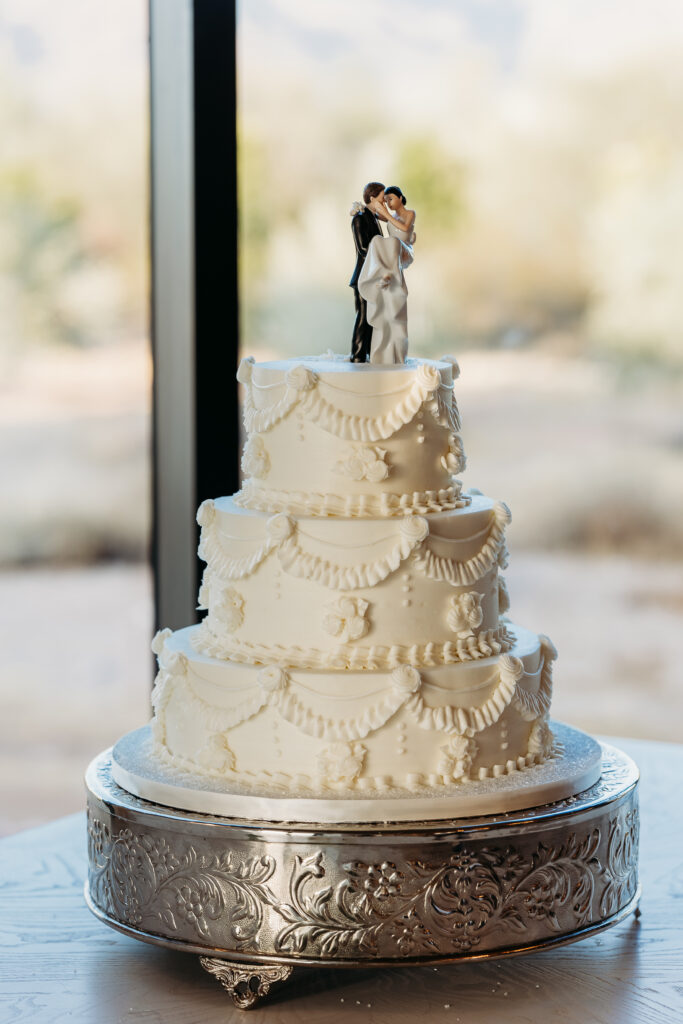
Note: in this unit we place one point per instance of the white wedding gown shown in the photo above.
(387, 306)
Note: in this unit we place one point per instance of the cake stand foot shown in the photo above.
(637, 913)
(246, 983)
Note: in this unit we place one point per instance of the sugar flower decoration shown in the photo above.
(300, 378)
(457, 757)
(406, 679)
(272, 678)
(347, 618)
(364, 464)
(465, 613)
(230, 609)
(341, 762)
(255, 458)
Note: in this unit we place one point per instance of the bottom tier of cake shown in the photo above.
(573, 768)
(317, 733)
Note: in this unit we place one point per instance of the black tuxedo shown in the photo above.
(364, 225)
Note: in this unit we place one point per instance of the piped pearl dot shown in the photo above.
(420, 426)
(420, 439)
(406, 602)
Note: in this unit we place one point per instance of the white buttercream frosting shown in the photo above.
(353, 599)
(331, 438)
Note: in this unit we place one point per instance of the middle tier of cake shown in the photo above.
(343, 593)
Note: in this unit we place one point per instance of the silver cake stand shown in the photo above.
(256, 899)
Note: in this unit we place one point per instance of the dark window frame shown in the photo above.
(194, 305)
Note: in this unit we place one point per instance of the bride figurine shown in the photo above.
(382, 282)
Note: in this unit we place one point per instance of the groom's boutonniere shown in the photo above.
(357, 208)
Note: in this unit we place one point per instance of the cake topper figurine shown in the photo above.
(378, 282)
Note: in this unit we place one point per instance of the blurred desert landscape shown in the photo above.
(541, 147)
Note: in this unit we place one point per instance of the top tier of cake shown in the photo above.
(325, 439)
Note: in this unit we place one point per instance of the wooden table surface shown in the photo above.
(58, 963)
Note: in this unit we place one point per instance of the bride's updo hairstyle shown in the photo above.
(394, 190)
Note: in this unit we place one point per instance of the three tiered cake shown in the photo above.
(356, 662)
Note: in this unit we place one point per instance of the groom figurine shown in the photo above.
(364, 225)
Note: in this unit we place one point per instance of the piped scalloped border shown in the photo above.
(302, 389)
(532, 706)
(356, 657)
(298, 562)
(352, 506)
(404, 691)
(410, 538)
(464, 573)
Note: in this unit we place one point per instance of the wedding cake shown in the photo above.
(356, 660)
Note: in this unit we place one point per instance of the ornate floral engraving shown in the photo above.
(255, 458)
(465, 613)
(457, 757)
(347, 618)
(413, 907)
(143, 881)
(621, 865)
(359, 897)
(341, 762)
(364, 464)
(246, 984)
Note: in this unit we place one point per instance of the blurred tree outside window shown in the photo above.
(75, 379)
